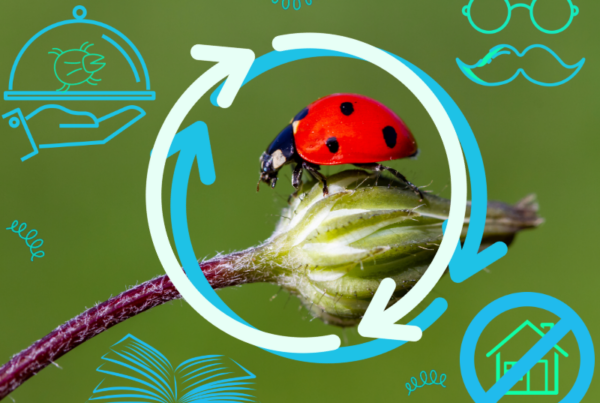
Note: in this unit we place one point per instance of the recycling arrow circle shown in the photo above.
(445, 115)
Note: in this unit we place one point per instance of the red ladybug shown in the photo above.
(339, 129)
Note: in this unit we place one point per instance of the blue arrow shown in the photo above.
(193, 142)
(467, 260)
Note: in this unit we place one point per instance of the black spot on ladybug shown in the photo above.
(390, 136)
(301, 115)
(332, 144)
(347, 108)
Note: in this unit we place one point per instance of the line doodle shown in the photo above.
(135, 370)
(574, 11)
(285, 4)
(34, 245)
(504, 49)
(424, 378)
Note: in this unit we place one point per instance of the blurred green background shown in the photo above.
(88, 203)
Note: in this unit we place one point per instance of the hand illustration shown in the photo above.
(90, 121)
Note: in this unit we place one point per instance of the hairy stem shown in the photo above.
(301, 256)
(221, 271)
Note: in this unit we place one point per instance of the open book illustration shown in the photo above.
(139, 373)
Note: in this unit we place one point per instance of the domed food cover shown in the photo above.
(94, 62)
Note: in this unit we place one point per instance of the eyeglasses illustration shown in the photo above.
(466, 10)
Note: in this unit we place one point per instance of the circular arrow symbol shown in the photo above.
(446, 116)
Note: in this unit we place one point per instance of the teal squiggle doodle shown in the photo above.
(425, 380)
(34, 245)
(285, 4)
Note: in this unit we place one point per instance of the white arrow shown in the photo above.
(232, 63)
(378, 322)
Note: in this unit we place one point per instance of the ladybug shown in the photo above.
(339, 129)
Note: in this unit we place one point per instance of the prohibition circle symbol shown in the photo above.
(569, 321)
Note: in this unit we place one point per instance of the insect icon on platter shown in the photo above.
(339, 129)
(76, 66)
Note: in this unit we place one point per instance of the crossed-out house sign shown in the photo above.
(548, 365)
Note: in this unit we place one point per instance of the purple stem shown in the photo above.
(219, 272)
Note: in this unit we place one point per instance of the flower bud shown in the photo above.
(334, 251)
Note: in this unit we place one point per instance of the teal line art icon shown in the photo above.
(574, 11)
(17, 119)
(297, 4)
(110, 36)
(30, 235)
(432, 379)
(79, 62)
(138, 371)
(507, 50)
(548, 365)
(82, 63)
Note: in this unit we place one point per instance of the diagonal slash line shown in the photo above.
(536, 353)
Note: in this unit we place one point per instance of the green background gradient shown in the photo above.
(88, 203)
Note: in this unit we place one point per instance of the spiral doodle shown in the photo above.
(34, 245)
(297, 4)
(425, 380)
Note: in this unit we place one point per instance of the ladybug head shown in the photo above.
(279, 153)
(268, 172)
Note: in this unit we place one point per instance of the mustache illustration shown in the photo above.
(507, 50)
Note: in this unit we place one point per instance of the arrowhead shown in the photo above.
(233, 63)
(194, 142)
(469, 261)
(465, 264)
(381, 323)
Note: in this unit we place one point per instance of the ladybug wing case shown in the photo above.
(351, 129)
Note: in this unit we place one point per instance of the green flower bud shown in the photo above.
(334, 251)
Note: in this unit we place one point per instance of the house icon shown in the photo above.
(547, 366)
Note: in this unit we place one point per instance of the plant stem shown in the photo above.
(221, 271)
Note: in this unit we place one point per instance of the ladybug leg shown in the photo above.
(296, 180)
(317, 175)
(297, 176)
(379, 168)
